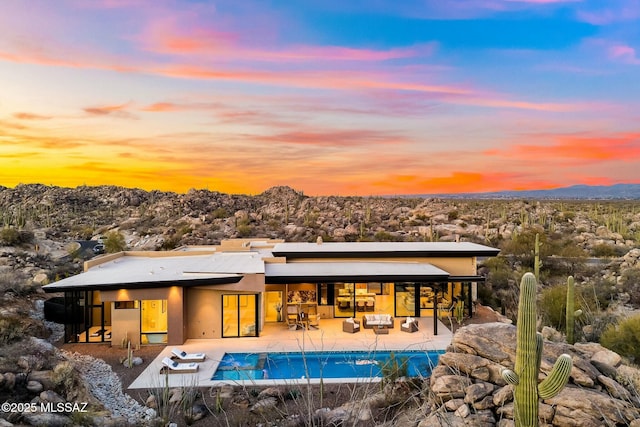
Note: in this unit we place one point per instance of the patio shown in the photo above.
(277, 337)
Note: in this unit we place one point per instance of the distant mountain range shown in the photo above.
(580, 192)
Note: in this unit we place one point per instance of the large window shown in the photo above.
(405, 295)
(153, 321)
(239, 315)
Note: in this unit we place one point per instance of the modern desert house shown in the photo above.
(232, 289)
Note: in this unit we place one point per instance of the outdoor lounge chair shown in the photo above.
(183, 356)
(174, 367)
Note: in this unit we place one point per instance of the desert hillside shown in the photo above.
(596, 242)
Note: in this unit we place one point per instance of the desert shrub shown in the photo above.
(219, 213)
(11, 330)
(597, 294)
(604, 250)
(522, 245)
(245, 230)
(170, 243)
(114, 242)
(630, 283)
(591, 298)
(64, 376)
(13, 237)
(394, 368)
(552, 306)
(9, 236)
(499, 271)
(624, 338)
(595, 324)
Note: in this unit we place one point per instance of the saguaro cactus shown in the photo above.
(571, 312)
(524, 377)
(536, 256)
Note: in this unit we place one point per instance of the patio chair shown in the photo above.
(370, 305)
(409, 325)
(360, 305)
(174, 367)
(183, 356)
(314, 321)
(351, 325)
(293, 317)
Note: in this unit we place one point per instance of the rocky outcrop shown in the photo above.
(466, 387)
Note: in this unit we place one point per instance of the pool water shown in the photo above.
(351, 364)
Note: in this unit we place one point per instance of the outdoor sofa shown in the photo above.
(370, 321)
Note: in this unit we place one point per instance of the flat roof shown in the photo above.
(354, 272)
(382, 249)
(161, 271)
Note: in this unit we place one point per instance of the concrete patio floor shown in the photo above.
(276, 337)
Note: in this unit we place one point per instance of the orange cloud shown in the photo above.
(30, 116)
(579, 149)
(119, 111)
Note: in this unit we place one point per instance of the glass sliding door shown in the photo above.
(405, 297)
(239, 315)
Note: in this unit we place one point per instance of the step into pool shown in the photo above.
(350, 364)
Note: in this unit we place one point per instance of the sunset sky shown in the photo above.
(330, 97)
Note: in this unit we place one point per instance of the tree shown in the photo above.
(114, 242)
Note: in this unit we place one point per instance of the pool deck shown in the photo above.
(276, 337)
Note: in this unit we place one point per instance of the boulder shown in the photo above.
(608, 357)
(449, 387)
(264, 405)
(34, 386)
(47, 419)
(466, 387)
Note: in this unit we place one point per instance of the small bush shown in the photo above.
(624, 338)
(604, 250)
(394, 368)
(590, 298)
(11, 330)
(114, 242)
(13, 237)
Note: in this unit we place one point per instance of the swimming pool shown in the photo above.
(350, 364)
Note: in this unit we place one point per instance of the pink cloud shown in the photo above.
(610, 12)
(624, 53)
(180, 37)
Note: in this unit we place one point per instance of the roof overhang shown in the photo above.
(325, 272)
(383, 250)
(80, 285)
